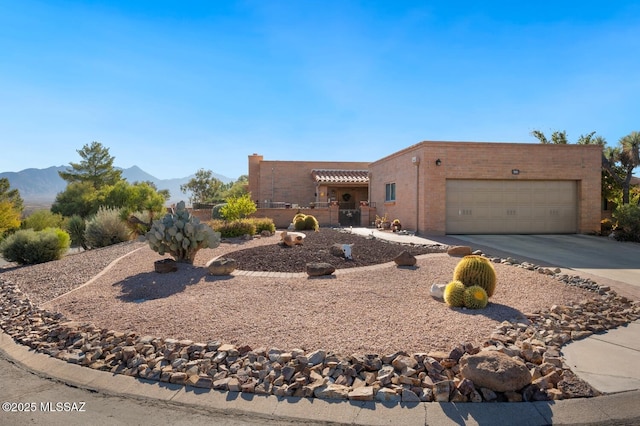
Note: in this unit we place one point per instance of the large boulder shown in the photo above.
(405, 259)
(292, 238)
(495, 370)
(316, 269)
(221, 266)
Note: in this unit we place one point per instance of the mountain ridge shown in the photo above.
(42, 185)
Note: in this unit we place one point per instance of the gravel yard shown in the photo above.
(380, 310)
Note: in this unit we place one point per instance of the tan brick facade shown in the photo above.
(421, 183)
(291, 181)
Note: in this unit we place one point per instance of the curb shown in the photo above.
(620, 407)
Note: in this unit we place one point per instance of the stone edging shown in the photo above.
(433, 376)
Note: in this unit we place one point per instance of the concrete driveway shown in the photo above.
(596, 256)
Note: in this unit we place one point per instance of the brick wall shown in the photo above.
(421, 186)
(289, 181)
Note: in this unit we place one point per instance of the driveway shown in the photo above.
(597, 256)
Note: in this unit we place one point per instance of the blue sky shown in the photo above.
(175, 86)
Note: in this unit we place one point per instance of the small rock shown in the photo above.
(437, 291)
(164, 266)
(364, 393)
(459, 251)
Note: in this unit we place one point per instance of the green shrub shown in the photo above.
(76, 228)
(628, 222)
(41, 219)
(238, 207)
(237, 228)
(139, 222)
(606, 226)
(215, 211)
(106, 228)
(264, 224)
(28, 247)
(181, 235)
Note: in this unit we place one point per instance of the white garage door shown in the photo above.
(511, 207)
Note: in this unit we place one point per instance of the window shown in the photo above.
(390, 192)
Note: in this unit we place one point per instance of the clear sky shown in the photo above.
(175, 86)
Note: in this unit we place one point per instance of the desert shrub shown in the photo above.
(139, 222)
(628, 222)
(76, 228)
(264, 224)
(237, 228)
(238, 207)
(28, 247)
(606, 226)
(181, 235)
(106, 228)
(42, 219)
(215, 211)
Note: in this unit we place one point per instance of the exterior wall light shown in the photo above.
(515, 171)
(438, 162)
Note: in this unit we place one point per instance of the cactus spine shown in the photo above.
(476, 270)
(475, 297)
(454, 294)
(181, 235)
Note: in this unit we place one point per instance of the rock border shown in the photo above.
(397, 377)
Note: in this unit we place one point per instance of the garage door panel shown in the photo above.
(523, 207)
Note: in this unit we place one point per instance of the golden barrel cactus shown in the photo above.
(476, 270)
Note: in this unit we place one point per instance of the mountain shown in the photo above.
(40, 186)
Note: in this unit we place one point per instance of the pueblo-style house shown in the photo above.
(442, 188)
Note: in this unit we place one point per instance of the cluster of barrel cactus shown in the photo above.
(474, 281)
(302, 221)
(181, 235)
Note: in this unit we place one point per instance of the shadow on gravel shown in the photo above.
(496, 311)
(151, 285)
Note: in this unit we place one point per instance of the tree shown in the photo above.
(9, 217)
(237, 188)
(139, 197)
(627, 153)
(10, 195)
(96, 167)
(557, 138)
(618, 163)
(204, 187)
(11, 206)
(78, 198)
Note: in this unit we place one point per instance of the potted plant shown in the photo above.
(385, 222)
(395, 225)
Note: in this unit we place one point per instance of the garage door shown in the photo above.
(511, 207)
